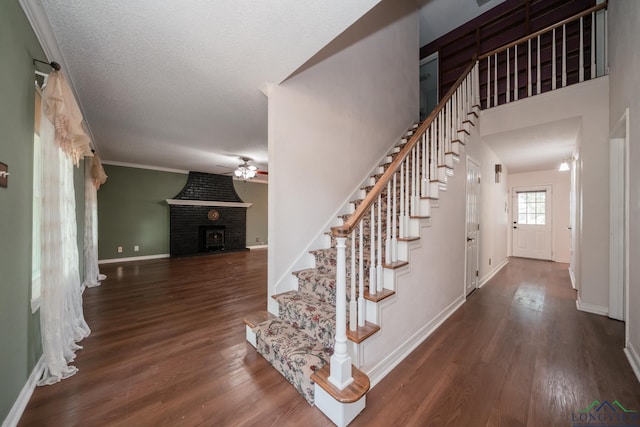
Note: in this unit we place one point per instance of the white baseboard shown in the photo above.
(132, 258)
(257, 247)
(590, 308)
(562, 260)
(572, 276)
(634, 359)
(493, 272)
(377, 373)
(25, 394)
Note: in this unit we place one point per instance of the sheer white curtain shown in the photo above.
(94, 176)
(61, 316)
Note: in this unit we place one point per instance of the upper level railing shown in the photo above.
(559, 55)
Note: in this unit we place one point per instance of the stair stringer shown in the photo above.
(426, 292)
(288, 282)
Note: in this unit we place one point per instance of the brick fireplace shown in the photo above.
(207, 216)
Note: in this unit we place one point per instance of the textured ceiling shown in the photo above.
(177, 84)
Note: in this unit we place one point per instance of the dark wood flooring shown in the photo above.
(168, 349)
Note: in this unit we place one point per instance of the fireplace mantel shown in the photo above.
(208, 203)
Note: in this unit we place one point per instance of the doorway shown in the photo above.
(473, 226)
(532, 222)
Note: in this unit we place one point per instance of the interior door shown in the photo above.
(473, 225)
(532, 222)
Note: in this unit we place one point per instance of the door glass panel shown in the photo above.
(532, 207)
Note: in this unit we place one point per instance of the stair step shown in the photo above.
(316, 318)
(395, 265)
(379, 295)
(362, 332)
(317, 284)
(351, 393)
(408, 239)
(296, 355)
(254, 319)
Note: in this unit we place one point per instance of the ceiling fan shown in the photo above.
(245, 171)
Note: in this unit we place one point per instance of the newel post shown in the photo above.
(340, 375)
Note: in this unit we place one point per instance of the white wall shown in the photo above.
(561, 187)
(329, 126)
(587, 101)
(494, 218)
(624, 62)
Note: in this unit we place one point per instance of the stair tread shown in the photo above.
(362, 332)
(315, 317)
(254, 319)
(352, 393)
(379, 295)
(296, 355)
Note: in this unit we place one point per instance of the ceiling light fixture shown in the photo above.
(564, 166)
(245, 171)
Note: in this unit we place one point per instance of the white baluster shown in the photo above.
(387, 240)
(401, 231)
(529, 67)
(353, 308)
(508, 93)
(495, 79)
(476, 87)
(515, 77)
(394, 226)
(407, 194)
(488, 82)
(415, 178)
(379, 266)
(372, 253)
(593, 44)
(553, 60)
(564, 55)
(425, 181)
(361, 277)
(340, 375)
(581, 56)
(538, 82)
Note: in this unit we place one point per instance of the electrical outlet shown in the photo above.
(257, 239)
(136, 248)
(119, 249)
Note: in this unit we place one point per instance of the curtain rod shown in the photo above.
(52, 64)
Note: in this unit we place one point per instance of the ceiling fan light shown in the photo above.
(564, 166)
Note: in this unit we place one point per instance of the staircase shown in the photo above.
(307, 341)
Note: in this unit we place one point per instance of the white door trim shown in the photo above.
(619, 222)
(476, 265)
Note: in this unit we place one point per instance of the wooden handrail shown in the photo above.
(545, 30)
(346, 229)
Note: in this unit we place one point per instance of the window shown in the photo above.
(532, 207)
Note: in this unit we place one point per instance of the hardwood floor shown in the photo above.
(168, 348)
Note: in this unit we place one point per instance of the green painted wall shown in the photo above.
(20, 343)
(19, 332)
(132, 211)
(257, 194)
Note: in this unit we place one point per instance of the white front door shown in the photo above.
(473, 225)
(532, 222)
